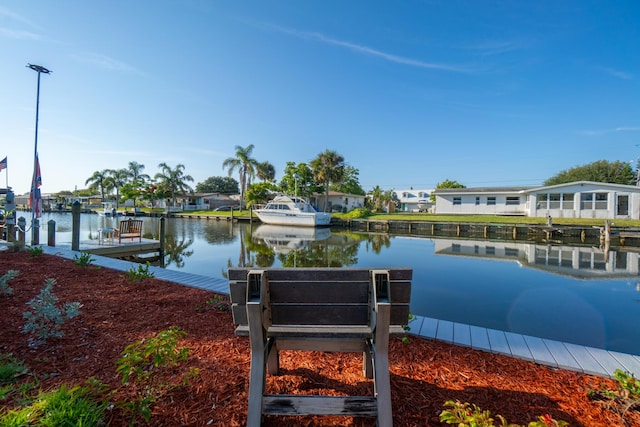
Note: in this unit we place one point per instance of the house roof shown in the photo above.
(482, 190)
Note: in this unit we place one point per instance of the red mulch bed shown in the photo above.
(116, 312)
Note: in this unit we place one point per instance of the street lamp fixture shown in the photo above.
(34, 224)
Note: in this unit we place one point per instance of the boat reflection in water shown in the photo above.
(282, 239)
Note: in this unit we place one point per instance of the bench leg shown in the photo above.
(273, 357)
(257, 374)
(381, 366)
(367, 364)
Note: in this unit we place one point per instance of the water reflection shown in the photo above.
(569, 292)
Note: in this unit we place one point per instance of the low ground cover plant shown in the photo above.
(83, 260)
(467, 415)
(140, 273)
(624, 399)
(4, 281)
(45, 317)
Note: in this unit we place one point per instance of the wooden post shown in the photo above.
(607, 231)
(51, 233)
(75, 226)
(22, 225)
(485, 231)
(458, 230)
(583, 236)
(161, 232)
(231, 214)
(515, 232)
(35, 232)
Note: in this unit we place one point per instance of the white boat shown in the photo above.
(283, 239)
(109, 210)
(287, 210)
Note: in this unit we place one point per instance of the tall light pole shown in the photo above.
(40, 70)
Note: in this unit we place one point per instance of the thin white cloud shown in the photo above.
(4, 12)
(107, 63)
(498, 47)
(366, 50)
(612, 130)
(19, 34)
(619, 74)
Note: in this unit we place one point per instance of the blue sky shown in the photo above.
(410, 93)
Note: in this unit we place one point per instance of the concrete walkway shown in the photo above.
(539, 350)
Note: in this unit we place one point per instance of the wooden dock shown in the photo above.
(546, 352)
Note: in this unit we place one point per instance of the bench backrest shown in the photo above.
(130, 226)
(320, 296)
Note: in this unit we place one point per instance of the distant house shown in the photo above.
(204, 201)
(414, 200)
(342, 202)
(581, 199)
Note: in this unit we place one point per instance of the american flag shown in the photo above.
(35, 198)
(3, 164)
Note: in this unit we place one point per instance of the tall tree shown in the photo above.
(245, 165)
(173, 180)
(119, 178)
(265, 171)
(616, 172)
(298, 180)
(447, 183)
(138, 180)
(328, 167)
(98, 181)
(218, 184)
(350, 183)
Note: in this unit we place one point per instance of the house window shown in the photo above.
(601, 201)
(512, 252)
(455, 247)
(567, 201)
(477, 200)
(586, 201)
(490, 250)
(541, 201)
(554, 201)
(457, 200)
(513, 200)
(491, 200)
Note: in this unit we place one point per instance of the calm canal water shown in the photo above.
(582, 295)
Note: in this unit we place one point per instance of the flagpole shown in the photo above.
(39, 69)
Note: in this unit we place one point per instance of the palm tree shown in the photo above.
(138, 179)
(328, 167)
(118, 178)
(98, 181)
(245, 165)
(135, 173)
(265, 171)
(174, 180)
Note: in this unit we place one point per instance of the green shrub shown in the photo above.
(625, 398)
(83, 260)
(45, 317)
(139, 274)
(141, 358)
(466, 415)
(4, 281)
(35, 251)
(75, 406)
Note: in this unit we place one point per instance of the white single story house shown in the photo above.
(414, 200)
(341, 202)
(580, 199)
(204, 201)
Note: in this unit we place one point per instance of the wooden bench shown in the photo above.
(320, 309)
(129, 229)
